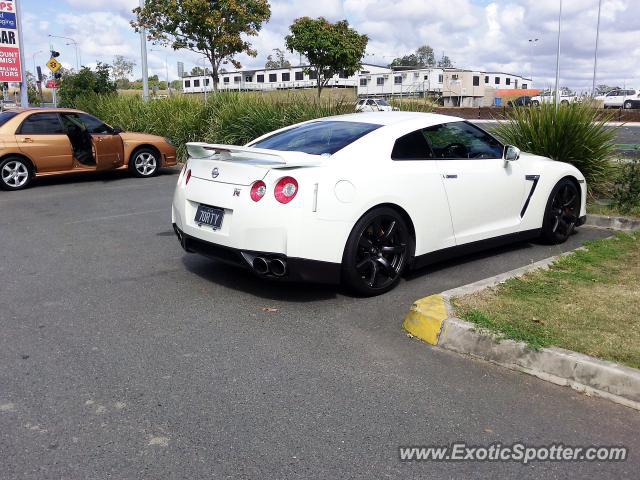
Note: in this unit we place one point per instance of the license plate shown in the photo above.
(210, 216)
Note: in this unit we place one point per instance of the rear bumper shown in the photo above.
(297, 269)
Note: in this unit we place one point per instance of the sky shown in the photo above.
(490, 35)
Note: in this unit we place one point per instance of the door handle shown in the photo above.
(27, 140)
(450, 176)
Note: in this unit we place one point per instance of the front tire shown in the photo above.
(377, 252)
(628, 105)
(535, 103)
(15, 174)
(144, 163)
(562, 212)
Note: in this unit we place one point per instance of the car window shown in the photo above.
(383, 103)
(370, 102)
(42, 124)
(412, 146)
(317, 138)
(458, 140)
(614, 93)
(94, 125)
(6, 116)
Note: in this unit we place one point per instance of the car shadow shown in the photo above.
(240, 279)
(87, 177)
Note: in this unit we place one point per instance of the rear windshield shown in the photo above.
(317, 138)
(6, 116)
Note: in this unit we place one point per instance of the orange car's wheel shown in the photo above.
(144, 163)
(15, 173)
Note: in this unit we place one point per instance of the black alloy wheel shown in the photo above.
(562, 213)
(377, 252)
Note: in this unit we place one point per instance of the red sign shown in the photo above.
(7, 7)
(52, 84)
(10, 64)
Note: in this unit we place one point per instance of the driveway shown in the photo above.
(123, 357)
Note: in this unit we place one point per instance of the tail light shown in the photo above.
(187, 177)
(258, 190)
(286, 189)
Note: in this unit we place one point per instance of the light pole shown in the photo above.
(532, 43)
(75, 44)
(34, 61)
(595, 55)
(24, 86)
(145, 66)
(204, 80)
(558, 58)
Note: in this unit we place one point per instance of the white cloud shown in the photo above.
(479, 34)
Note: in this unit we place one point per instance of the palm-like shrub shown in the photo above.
(572, 134)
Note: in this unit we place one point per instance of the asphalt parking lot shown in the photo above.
(123, 357)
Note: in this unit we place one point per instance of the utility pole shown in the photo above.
(24, 86)
(558, 58)
(145, 67)
(595, 55)
(532, 44)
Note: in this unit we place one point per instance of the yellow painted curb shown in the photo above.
(425, 318)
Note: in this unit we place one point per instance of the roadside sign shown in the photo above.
(52, 84)
(10, 70)
(54, 65)
(180, 69)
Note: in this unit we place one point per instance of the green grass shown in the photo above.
(588, 302)
(611, 210)
(574, 134)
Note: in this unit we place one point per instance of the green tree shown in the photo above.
(422, 57)
(425, 56)
(330, 47)
(216, 29)
(121, 70)
(445, 62)
(279, 61)
(32, 90)
(85, 82)
(197, 71)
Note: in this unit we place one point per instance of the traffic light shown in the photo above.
(54, 54)
(57, 76)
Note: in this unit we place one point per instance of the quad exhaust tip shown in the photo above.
(261, 265)
(265, 266)
(278, 267)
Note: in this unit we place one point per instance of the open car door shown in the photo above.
(100, 150)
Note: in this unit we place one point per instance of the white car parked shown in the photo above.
(620, 98)
(550, 97)
(374, 105)
(363, 197)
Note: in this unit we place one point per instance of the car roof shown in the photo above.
(45, 110)
(394, 118)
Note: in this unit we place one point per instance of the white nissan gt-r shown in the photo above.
(360, 198)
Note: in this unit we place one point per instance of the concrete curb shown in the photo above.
(431, 320)
(614, 223)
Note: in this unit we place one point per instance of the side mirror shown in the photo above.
(511, 153)
(117, 131)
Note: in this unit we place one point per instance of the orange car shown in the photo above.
(39, 142)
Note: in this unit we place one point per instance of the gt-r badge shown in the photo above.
(236, 192)
(215, 172)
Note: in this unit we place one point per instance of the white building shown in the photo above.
(269, 79)
(456, 86)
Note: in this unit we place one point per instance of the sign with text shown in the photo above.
(52, 84)
(9, 44)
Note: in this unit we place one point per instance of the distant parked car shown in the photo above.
(38, 142)
(621, 98)
(374, 105)
(549, 97)
(520, 102)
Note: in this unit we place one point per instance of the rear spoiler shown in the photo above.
(253, 156)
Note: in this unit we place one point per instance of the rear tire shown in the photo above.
(15, 173)
(144, 163)
(377, 252)
(535, 103)
(628, 105)
(562, 212)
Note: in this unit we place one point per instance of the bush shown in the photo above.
(75, 86)
(573, 134)
(626, 196)
(230, 118)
